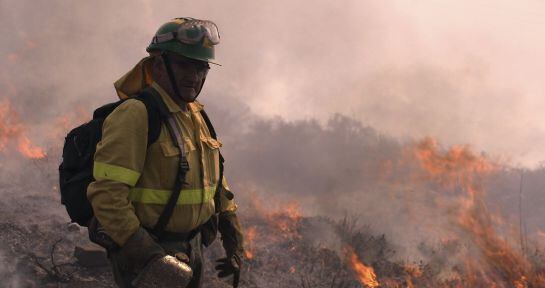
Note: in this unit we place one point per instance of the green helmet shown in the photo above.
(192, 38)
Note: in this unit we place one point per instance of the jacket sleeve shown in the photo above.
(229, 226)
(226, 198)
(232, 235)
(118, 163)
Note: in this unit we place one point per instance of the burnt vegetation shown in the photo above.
(360, 236)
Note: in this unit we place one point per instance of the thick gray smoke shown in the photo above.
(461, 71)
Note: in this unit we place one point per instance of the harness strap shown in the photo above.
(175, 134)
(171, 75)
(183, 166)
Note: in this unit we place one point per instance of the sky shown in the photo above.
(463, 72)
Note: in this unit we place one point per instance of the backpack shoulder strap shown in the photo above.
(209, 124)
(183, 167)
(212, 133)
(157, 112)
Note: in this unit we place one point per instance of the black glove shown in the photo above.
(139, 250)
(98, 235)
(230, 266)
(232, 238)
(147, 264)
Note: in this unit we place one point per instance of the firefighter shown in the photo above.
(134, 178)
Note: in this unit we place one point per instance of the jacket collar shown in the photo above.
(138, 78)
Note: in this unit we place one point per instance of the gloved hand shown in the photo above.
(139, 250)
(148, 261)
(230, 266)
(232, 240)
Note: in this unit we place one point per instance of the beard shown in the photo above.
(189, 91)
(188, 94)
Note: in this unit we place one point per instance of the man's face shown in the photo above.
(189, 75)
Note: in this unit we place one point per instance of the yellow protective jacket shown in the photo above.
(134, 180)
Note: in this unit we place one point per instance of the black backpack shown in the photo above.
(76, 169)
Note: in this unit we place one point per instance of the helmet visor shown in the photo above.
(192, 31)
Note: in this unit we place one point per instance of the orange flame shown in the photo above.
(292, 269)
(459, 165)
(11, 128)
(412, 272)
(286, 220)
(460, 168)
(521, 283)
(366, 275)
(283, 221)
(8, 129)
(26, 148)
(250, 235)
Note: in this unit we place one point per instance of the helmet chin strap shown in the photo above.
(171, 76)
(200, 88)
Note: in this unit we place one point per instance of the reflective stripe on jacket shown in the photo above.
(134, 181)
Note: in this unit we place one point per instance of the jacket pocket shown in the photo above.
(169, 150)
(211, 152)
(170, 160)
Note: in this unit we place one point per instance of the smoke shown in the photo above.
(315, 101)
(461, 71)
(344, 168)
